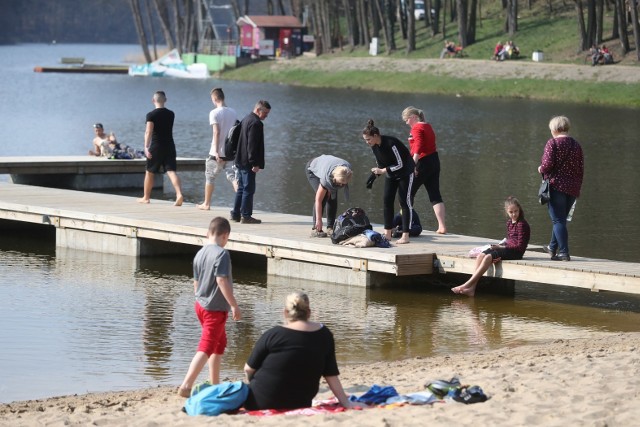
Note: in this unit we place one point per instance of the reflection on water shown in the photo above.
(105, 322)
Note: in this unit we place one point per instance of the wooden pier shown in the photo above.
(85, 172)
(120, 225)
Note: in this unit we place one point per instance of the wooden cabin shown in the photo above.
(270, 36)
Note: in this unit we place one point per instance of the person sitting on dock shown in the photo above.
(100, 141)
(518, 234)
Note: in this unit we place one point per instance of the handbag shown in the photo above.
(543, 192)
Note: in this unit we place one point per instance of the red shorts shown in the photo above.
(214, 335)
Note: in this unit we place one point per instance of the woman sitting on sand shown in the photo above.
(287, 361)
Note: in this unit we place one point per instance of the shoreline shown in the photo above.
(609, 85)
(562, 382)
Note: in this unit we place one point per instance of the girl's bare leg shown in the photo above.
(483, 262)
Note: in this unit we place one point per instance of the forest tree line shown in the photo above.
(336, 24)
(353, 23)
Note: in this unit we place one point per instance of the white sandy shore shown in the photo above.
(586, 382)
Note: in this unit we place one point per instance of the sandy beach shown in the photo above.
(469, 68)
(587, 382)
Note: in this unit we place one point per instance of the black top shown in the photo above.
(251, 144)
(288, 366)
(162, 119)
(394, 156)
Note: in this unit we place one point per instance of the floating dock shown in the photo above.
(118, 224)
(86, 172)
(85, 68)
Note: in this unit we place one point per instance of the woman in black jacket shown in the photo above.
(393, 160)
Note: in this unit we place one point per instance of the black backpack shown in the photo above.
(231, 141)
(351, 223)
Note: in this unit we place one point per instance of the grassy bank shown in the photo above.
(550, 27)
(600, 93)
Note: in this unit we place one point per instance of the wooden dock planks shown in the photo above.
(286, 236)
(83, 165)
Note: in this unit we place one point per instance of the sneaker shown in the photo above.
(561, 257)
(234, 218)
(250, 220)
(441, 388)
(315, 233)
(548, 250)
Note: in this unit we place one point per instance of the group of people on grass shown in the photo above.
(451, 50)
(600, 55)
(504, 51)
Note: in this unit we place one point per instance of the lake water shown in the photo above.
(94, 322)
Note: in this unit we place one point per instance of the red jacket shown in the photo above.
(422, 140)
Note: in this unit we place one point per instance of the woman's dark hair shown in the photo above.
(370, 129)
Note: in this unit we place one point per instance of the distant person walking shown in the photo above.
(159, 148)
(249, 160)
(422, 145)
(563, 164)
(221, 119)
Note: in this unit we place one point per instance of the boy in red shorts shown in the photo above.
(213, 288)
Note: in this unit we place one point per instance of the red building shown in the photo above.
(270, 35)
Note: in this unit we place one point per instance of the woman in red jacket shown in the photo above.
(422, 146)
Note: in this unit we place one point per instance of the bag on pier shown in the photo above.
(351, 223)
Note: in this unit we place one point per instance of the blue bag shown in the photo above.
(216, 399)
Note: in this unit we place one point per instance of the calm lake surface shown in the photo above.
(94, 322)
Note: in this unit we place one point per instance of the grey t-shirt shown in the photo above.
(210, 262)
(322, 167)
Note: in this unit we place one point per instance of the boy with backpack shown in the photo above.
(213, 288)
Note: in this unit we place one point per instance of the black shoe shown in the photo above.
(234, 218)
(561, 257)
(250, 220)
(548, 250)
